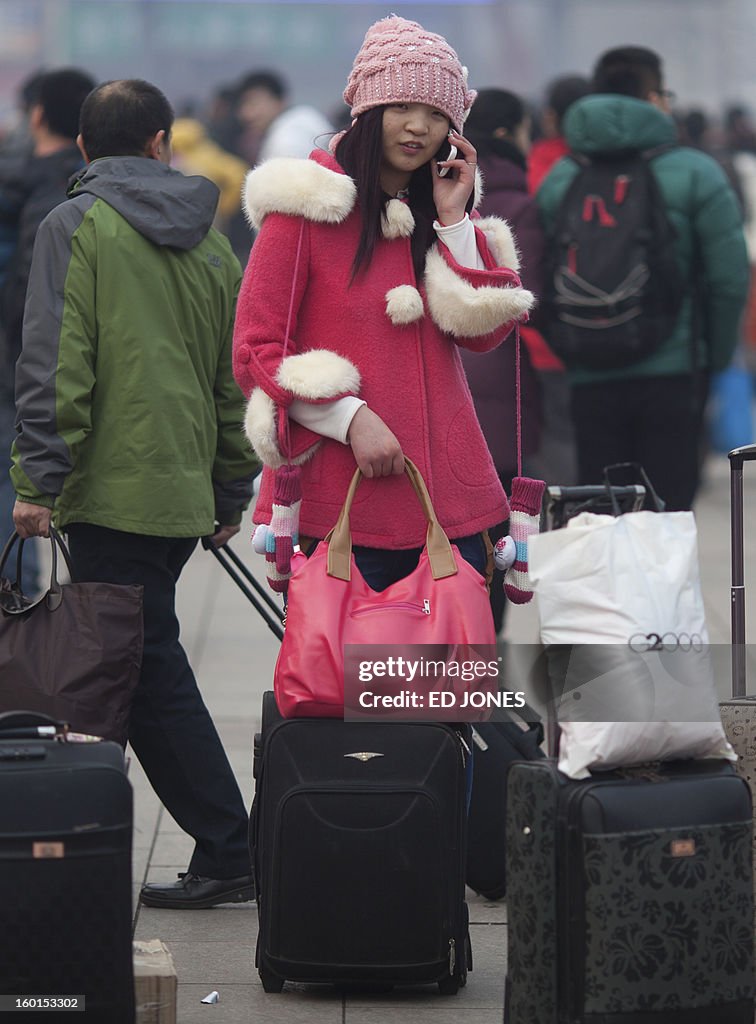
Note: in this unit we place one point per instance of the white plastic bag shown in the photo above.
(622, 619)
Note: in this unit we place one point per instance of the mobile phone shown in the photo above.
(452, 155)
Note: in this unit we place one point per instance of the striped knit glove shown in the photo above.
(524, 520)
(283, 533)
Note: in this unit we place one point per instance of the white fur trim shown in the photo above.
(318, 374)
(478, 189)
(404, 305)
(464, 311)
(300, 188)
(501, 241)
(261, 428)
(397, 220)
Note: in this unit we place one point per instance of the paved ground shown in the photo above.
(233, 654)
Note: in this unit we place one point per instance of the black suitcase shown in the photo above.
(358, 841)
(65, 872)
(629, 896)
(496, 745)
(499, 743)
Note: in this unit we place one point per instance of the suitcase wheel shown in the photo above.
(270, 981)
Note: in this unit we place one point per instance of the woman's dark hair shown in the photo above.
(119, 118)
(359, 153)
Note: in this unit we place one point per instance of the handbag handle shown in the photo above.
(19, 555)
(54, 595)
(440, 554)
(30, 725)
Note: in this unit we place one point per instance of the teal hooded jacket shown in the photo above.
(128, 414)
(701, 207)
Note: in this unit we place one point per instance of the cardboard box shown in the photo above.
(155, 983)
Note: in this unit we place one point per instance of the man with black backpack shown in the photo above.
(647, 280)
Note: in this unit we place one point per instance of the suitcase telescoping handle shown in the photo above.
(252, 589)
(737, 590)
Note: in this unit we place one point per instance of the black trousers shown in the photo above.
(655, 421)
(171, 730)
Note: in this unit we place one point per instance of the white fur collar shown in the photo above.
(310, 189)
(300, 188)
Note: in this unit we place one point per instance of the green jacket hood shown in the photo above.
(608, 123)
(163, 205)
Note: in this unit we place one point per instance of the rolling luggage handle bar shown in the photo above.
(737, 457)
(231, 562)
(642, 476)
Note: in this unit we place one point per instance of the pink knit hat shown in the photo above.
(399, 62)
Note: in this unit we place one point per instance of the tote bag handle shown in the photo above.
(13, 602)
(440, 554)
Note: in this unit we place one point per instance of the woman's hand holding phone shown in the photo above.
(443, 167)
(454, 179)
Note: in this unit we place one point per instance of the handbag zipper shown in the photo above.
(425, 608)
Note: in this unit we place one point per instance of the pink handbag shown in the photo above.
(443, 602)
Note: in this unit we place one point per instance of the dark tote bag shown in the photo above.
(74, 653)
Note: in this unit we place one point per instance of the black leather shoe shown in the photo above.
(194, 892)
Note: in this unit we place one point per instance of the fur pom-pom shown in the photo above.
(404, 305)
(397, 220)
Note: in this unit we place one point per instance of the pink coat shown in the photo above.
(387, 338)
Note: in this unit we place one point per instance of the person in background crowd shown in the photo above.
(17, 143)
(371, 248)
(499, 127)
(221, 121)
(650, 412)
(283, 130)
(544, 153)
(129, 437)
(195, 153)
(740, 139)
(26, 197)
(695, 129)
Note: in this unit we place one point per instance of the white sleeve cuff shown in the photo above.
(331, 419)
(460, 240)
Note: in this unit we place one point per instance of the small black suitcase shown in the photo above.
(358, 842)
(629, 896)
(65, 871)
(496, 745)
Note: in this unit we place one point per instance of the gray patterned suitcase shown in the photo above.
(629, 896)
(739, 714)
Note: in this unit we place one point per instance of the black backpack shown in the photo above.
(615, 287)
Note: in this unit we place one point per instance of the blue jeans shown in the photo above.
(380, 567)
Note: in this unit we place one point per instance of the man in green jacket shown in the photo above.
(129, 436)
(651, 411)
